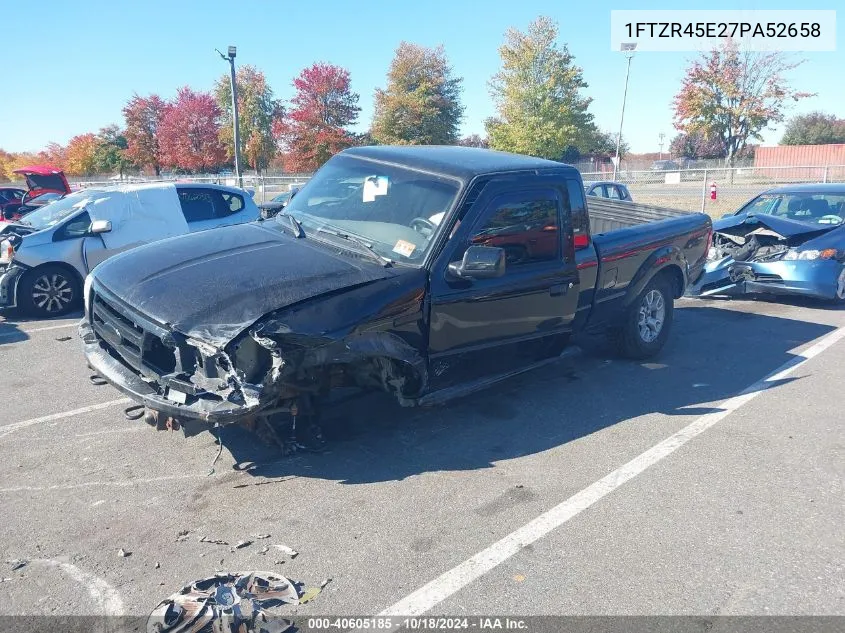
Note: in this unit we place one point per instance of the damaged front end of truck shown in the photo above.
(765, 254)
(266, 377)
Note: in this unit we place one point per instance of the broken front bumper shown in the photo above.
(809, 278)
(8, 285)
(202, 407)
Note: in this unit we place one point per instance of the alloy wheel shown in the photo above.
(52, 292)
(651, 316)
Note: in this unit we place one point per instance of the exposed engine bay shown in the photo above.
(759, 245)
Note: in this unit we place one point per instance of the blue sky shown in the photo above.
(72, 66)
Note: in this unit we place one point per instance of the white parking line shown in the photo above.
(17, 426)
(34, 330)
(452, 581)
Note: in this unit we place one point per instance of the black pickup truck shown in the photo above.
(426, 272)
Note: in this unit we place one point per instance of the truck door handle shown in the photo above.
(560, 289)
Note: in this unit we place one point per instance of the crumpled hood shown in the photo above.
(784, 226)
(213, 284)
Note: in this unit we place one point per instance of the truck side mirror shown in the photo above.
(480, 262)
(100, 226)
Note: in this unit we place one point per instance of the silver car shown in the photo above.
(45, 257)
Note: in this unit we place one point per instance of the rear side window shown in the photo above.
(580, 221)
(233, 201)
(197, 204)
(613, 192)
(525, 225)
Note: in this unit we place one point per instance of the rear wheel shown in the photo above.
(49, 291)
(647, 321)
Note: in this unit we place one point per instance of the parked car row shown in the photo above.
(44, 184)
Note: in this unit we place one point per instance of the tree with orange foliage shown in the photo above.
(731, 96)
(80, 155)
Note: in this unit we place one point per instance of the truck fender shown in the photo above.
(667, 258)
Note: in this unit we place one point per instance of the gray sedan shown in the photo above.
(608, 189)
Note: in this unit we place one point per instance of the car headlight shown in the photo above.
(7, 252)
(86, 290)
(794, 254)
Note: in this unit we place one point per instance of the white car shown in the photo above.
(45, 257)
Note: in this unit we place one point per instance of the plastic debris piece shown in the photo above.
(519, 577)
(62, 339)
(17, 563)
(264, 550)
(158, 565)
(287, 550)
(123, 553)
(260, 536)
(241, 545)
(325, 582)
(205, 539)
(309, 594)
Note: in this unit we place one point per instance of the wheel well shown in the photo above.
(66, 267)
(676, 278)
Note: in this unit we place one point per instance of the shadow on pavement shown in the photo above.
(712, 355)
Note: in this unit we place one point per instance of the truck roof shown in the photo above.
(454, 160)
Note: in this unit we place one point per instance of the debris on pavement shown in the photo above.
(312, 592)
(158, 565)
(287, 550)
(247, 602)
(62, 339)
(213, 541)
(17, 563)
(241, 545)
(123, 553)
(264, 550)
(182, 535)
(261, 536)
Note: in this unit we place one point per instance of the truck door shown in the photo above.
(489, 326)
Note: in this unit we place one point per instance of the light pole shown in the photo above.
(231, 59)
(628, 48)
(661, 137)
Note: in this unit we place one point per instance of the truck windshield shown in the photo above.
(395, 211)
(51, 214)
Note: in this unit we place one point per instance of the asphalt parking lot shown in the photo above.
(555, 493)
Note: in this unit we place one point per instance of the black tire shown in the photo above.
(839, 297)
(643, 333)
(49, 291)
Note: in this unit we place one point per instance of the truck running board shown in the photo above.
(450, 393)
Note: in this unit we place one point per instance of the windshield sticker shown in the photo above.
(375, 186)
(404, 248)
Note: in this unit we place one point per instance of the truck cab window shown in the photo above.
(580, 220)
(526, 226)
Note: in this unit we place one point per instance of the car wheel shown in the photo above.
(839, 299)
(647, 321)
(49, 291)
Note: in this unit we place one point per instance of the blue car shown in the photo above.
(786, 241)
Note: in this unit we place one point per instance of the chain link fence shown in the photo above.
(691, 189)
(684, 189)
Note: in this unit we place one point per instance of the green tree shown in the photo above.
(815, 128)
(110, 153)
(421, 104)
(257, 110)
(541, 111)
(733, 95)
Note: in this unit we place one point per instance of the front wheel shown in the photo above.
(839, 299)
(48, 291)
(647, 321)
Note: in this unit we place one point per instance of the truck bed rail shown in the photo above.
(610, 215)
